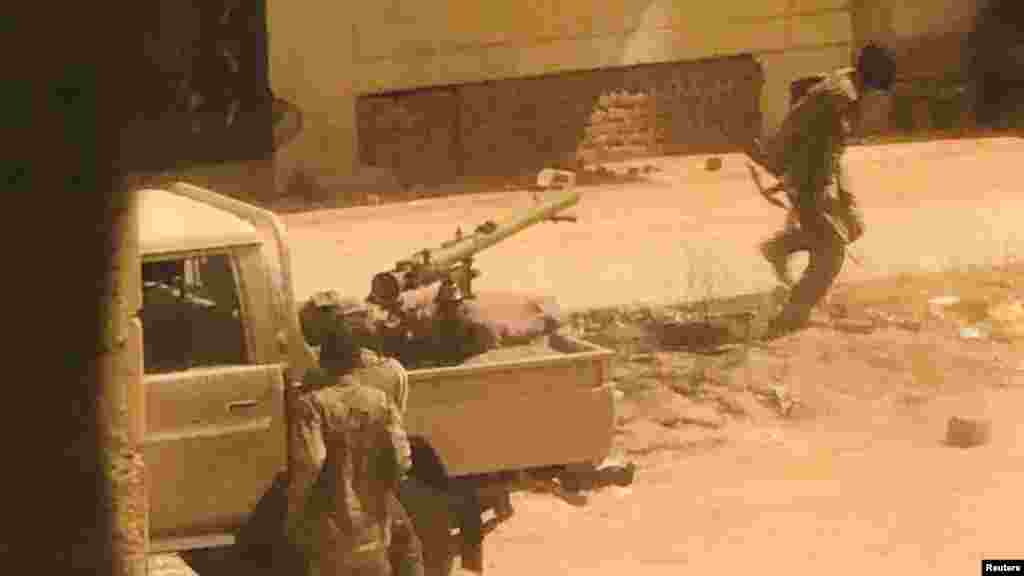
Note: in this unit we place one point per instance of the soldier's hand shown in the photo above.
(767, 193)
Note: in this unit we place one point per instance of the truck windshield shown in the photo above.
(191, 315)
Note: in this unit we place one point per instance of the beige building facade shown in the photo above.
(324, 56)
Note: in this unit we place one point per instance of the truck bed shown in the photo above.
(517, 408)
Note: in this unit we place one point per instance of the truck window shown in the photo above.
(191, 316)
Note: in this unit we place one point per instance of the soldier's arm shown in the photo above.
(811, 156)
(843, 181)
(770, 152)
(309, 454)
(758, 151)
(399, 439)
(768, 193)
(854, 216)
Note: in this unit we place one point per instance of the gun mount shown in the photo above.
(445, 336)
(452, 262)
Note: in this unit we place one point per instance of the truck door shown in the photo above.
(214, 432)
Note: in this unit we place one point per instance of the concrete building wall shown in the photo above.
(324, 55)
(515, 127)
(927, 37)
(933, 18)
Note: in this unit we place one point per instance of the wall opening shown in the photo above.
(996, 63)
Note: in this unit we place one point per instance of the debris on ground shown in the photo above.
(687, 412)
(615, 472)
(943, 301)
(691, 377)
(881, 319)
(968, 432)
(853, 326)
(979, 331)
(701, 335)
(670, 409)
(1007, 318)
(745, 404)
(1002, 320)
(644, 437)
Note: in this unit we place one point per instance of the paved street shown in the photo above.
(683, 232)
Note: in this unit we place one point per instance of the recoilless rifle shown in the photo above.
(451, 266)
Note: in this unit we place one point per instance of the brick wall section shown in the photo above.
(512, 126)
(517, 126)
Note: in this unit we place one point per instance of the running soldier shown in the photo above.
(805, 155)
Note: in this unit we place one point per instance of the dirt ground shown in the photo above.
(827, 448)
(662, 236)
(822, 450)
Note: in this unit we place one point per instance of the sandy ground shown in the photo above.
(878, 495)
(822, 452)
(855, 480)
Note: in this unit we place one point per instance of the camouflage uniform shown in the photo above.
(320, 316)
(349, 452)
(806, 154)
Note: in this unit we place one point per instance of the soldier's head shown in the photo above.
(875, 69)
(340, 352)
(324, 310)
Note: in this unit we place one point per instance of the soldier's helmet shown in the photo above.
(323, 311)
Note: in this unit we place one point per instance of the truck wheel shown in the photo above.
(260, 548)
(433, 521)
(261, 545)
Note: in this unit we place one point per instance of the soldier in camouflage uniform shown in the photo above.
(350, 452)
(806, 156)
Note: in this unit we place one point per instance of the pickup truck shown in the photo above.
(222, 349)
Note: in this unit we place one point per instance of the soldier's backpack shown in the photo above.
(359, 475)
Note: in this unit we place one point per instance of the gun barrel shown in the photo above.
(481, 240)
(429, 266)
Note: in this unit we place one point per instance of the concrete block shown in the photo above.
(968, 432)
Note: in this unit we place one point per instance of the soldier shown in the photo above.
(805, 155)
(350, 452)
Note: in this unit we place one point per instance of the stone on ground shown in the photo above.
(968, 432)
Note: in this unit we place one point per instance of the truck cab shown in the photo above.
(214, 371)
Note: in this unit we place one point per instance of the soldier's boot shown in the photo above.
(774, 253)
